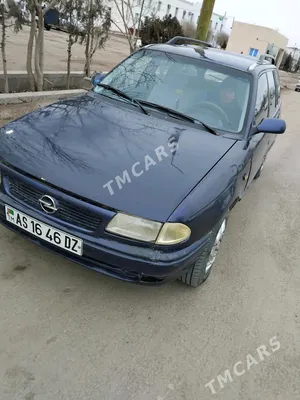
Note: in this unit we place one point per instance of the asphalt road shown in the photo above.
(69, 333)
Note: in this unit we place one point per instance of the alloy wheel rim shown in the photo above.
(215, 249)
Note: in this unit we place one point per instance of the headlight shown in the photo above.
(134, 227)
(147, 230)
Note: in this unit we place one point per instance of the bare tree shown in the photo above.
(130, 18)
(96, 23)
(209, 36)
(288, 62)
(36, 36)
(297, 65)
(10, 16)
(71, 11)
(222, 39)
(189, 29)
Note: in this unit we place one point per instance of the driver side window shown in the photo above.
(262, 99)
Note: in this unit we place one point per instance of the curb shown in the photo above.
(29, 97)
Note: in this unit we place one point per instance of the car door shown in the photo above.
(258, 144)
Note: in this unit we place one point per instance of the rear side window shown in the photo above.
(262, 99)
(277, 87)
(272, 91)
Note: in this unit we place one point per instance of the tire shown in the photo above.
(201, 269)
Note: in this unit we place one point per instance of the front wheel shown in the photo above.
(201, 269)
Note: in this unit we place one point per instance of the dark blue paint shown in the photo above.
(51, 17)
(97, 78)
(83, 138)
(72, 148)
(272, 125)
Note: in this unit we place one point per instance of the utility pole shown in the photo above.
(204, 19)
(140, 17)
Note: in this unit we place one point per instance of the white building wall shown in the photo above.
(220, 23)
(184, 11)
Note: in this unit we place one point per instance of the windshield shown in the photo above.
(211, 93)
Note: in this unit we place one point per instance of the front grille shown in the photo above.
(66, 211)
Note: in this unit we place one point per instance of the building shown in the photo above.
(219, 24)
(254, 40)
(185, 11)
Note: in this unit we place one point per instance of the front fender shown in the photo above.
(212, 198)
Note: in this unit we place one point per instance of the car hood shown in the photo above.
(111, 153)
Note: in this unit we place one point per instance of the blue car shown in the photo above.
(137, 177)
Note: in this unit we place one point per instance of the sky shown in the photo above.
(283, 15)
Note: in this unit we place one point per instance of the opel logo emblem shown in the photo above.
(48, 204)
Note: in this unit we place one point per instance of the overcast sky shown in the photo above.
(281, 14)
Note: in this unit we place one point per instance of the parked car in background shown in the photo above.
(137, 178)
(65, 25)
(297, 88)
(51, 19)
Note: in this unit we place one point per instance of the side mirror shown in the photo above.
(97, 77)
(271, 125)
(90, 83)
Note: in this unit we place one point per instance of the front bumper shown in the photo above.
(128, 262)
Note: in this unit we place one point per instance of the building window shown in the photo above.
(176, 11)
(168, 9)
(191, 15)
(253, 52)
(136, 17)
(183, 14)
(216, 26)
(159, 6)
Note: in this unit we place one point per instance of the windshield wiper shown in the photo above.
(179, 115)
(123, 95)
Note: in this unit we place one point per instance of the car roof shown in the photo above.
(226, 58)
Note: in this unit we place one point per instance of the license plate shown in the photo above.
(44, 231)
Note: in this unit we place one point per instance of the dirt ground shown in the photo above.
(288, 79)
(116, 49)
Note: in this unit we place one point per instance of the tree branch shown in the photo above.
(52, 3)
(117, 26)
